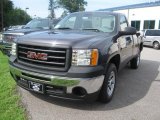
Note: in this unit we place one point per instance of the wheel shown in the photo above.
(156, 45)
(109, 84)
(134, 63)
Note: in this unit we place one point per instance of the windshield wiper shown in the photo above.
(94, 29)
(64, 28)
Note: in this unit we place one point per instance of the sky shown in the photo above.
(39, 8)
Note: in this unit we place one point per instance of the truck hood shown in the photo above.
(22, 31)
(78, 39)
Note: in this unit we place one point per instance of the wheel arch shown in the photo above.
(115, 59)
(156, 41)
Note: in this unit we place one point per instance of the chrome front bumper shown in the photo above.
(91, 85)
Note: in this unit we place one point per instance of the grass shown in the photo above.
(10, 107)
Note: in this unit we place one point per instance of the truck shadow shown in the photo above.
(132, 86)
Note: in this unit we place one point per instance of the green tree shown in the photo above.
(52, 6)
(73, 5)
(6, 8)
(19, 17)
(65, 13)
(11, 15)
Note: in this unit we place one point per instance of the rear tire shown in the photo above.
(109, 84)
(156, 45)
(134, 63)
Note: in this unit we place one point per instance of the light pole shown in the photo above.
(26, 9)
(26, 14)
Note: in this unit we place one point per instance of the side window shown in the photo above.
(123, 22)
(148, 33)
(152, 33)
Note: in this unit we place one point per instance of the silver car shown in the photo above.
(151, 38)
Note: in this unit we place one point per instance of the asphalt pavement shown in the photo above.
(137, 97)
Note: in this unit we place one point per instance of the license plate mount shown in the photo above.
(36, 87)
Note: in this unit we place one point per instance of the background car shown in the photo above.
(16, 27)
(35, 25)
(151, 37)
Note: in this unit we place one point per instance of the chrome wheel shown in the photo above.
(111, 83)
(156, 45)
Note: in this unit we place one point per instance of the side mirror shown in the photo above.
(128, 31)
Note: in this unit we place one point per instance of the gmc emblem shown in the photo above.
(38, 56)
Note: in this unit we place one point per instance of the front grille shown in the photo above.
(56, 57)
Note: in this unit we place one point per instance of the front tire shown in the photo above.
(134, 63)
(156, 45)
(109, 84)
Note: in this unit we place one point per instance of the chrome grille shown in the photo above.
(56, 57)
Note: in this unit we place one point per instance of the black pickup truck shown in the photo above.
(78, 59)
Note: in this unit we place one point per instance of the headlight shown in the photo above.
(85, 57)
(14, 49)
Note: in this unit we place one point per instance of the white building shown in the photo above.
(142, 16)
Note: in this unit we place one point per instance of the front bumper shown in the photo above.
(65, 86)
(5, 47)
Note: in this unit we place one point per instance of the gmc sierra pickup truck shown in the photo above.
(35, 25)
(78, 59)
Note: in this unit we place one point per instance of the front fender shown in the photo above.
(112, 52)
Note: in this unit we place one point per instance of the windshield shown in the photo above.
(38, 23)
(100, 22)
